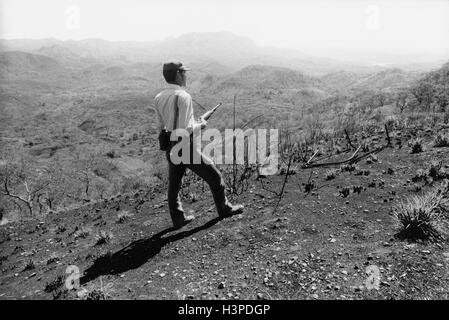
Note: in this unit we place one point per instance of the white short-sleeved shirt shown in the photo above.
(165, 107)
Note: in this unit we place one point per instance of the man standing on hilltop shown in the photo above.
(175, 110)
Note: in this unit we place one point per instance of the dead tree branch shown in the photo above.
(27, 201)
(353, 158)
(349, 139)
(314, 165)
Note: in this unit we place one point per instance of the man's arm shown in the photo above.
(161, 124)
(186, 119)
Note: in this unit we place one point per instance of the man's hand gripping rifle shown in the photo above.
(206, 116)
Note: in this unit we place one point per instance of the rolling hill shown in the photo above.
(227, 49)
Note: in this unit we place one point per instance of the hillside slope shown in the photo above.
(314, 246)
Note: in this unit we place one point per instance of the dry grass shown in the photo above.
(123, 216)
(423, 217)
(103, 237)
(441, 140)
(434, 172)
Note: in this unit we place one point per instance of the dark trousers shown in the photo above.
(207, 171)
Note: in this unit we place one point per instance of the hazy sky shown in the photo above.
(394, 26)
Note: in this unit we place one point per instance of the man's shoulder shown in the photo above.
(169, 91)
(183, 94)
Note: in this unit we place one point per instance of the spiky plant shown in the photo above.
(372, 158)
(441, 140)
(420, 175)
(82, 232)
(422, 217)
(123, 216)
(345, 192)
(103, 237)
(348, 168)
(97, 294)
(55, 284)
(52, 259)
(434, 168)
(331, 174)
(29, 265)
(416, 146)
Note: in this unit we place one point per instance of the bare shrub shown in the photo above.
(23, 183)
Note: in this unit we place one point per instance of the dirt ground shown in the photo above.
(317, 245)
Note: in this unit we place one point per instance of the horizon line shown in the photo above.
(340, 50)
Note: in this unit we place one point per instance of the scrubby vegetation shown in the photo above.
(81, 174)
(424, 217)
(441, 140)
(416, 146)
(103, 237)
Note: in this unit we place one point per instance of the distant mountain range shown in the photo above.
(224, 64)
(219, 52)
(71, 71)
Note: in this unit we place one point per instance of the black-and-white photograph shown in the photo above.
(224, 150)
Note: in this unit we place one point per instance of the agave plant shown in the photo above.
(103, 237)
(416, 145)
(331, 174)
(423, 217)
(441, 140)
(123, 216)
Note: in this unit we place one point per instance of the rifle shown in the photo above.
(209, 113)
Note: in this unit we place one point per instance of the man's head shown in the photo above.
(175, 73)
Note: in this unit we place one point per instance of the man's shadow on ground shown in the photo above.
(137, 253)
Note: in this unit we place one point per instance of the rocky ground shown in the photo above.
(325, 244)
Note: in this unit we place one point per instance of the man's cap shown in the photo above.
(171, 66)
